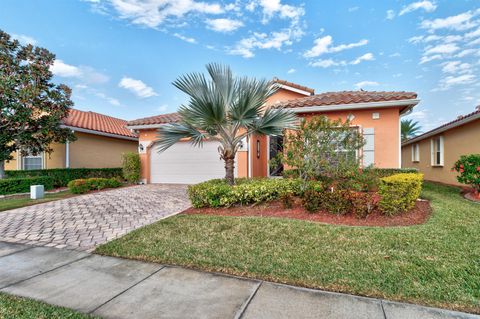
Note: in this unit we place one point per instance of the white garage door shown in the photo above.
(184, 164)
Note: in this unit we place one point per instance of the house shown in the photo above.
(434, 152)
(375, 114)
(101, 140)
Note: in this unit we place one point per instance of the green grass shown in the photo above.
(12, 307)
(16, 202)
(436, 264)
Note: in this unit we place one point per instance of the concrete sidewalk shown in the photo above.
(118, 288)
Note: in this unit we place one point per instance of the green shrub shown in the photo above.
(81, 186)
(217, 193)
(61, 176)
(398, 193)
(468, 167)
(131, 167)
(335, 201)
(363, 203)
(22, 185)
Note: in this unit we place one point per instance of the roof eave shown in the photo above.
(84, 130)
(145, 126)
(407, 104)
(442, 129)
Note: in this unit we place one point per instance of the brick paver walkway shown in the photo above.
(85, 221)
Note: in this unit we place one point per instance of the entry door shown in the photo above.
(276, 147)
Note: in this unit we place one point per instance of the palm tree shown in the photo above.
(226, 109)
(410, 128)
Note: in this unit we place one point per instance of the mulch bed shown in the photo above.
(472, 197)
(417, 215)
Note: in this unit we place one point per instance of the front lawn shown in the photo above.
(436, 264)
(12, 307)
(16, 202)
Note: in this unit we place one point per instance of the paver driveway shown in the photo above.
(85, 221)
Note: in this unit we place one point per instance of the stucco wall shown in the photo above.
(386, 136)
(458, 141)
(99, 151)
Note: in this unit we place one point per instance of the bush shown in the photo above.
(335, 201)
(398, 193)
(217, 193)
(363, 203)
(22, 185)
(61, 176)
(468, 167)
(81, 186)
(131, 167)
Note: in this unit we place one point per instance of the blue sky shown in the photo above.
(120, 56)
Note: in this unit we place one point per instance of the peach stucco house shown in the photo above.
(101, 140)
(375, 114)
(434, 152)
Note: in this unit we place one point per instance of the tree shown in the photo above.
(226, 109)
(32, 107)
(323, 149)
(409, 129)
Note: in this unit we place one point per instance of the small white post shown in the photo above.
(37, 191)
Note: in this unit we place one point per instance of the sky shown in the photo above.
(121, 56)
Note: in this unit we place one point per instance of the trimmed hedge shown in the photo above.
(398, 193)
(22, 185)
(61, 176)
(217, 193)
(131, 167)
(379, 172)
(81, 186)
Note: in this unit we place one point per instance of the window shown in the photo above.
(32, 162)
(437, 151)
(415, 153)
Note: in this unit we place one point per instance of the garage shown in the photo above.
(183, 163)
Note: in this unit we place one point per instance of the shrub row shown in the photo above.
(22, 185)
(61, 176)
(81, 186)
(217, 193)
(399, 192)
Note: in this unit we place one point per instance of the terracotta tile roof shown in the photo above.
(98, 122)
(444, 127)
(294, 85)
(346, 97)
(157, 119)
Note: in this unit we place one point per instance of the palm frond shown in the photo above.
(172, 133)
(273, 122)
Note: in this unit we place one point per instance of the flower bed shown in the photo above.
(360, 196)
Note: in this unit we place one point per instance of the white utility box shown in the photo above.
(37, 191)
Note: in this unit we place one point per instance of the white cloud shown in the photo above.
(456, 67)
(109, 99)
(395, 55)
(275, 40)
(60, 68)
(442, 49)
(292, 70)
(324, 45)
(365, 57)
(353, 9)
(466, 52)
(450, 81)
(426, 5)
(137, 87)
(458, 22)
(271, 8)
(153, 13)
(473, 34)
(223, 25)
(363, 84)
(83, 73)
(426, 59)
(162, 108)
(24, 39)
(390, 15)
(326, 63)
(184, 38)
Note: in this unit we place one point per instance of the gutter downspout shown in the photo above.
(67, 155)
(249, 159)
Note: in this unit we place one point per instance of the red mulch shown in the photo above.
(417, 215)
(474, 197)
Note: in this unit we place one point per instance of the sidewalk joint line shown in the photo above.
(18, 251)
(45, 272)
(125, 290)
(245, 305)
(383, 309)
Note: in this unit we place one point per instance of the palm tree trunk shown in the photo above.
(229, 170)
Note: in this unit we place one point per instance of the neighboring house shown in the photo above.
(433, 153)
(375, 114)
(101, 140)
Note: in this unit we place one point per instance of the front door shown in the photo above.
(276, 147)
